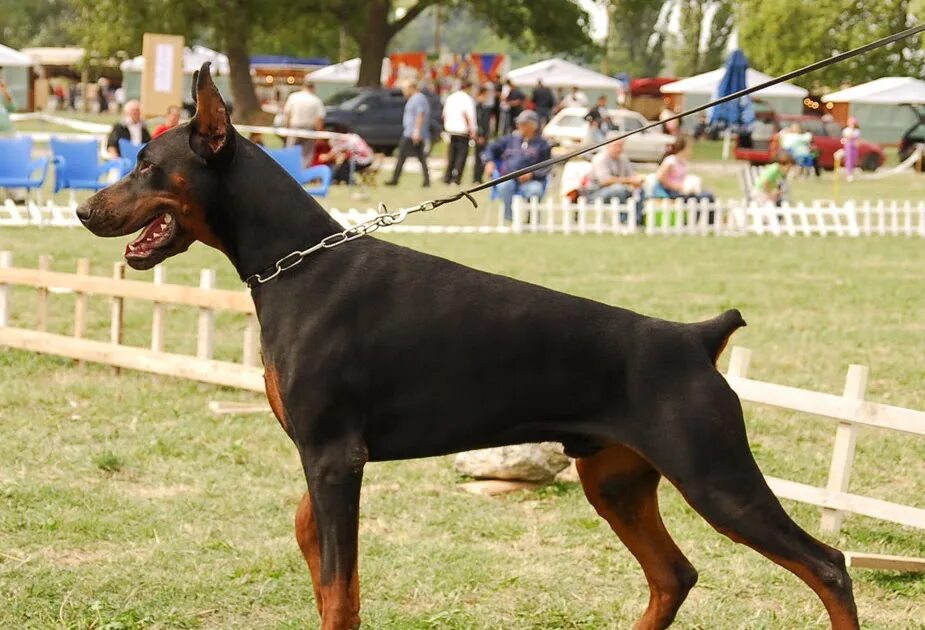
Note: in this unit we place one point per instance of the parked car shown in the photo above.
(761, 146)
(568, 128)
(914, 135)
(375, 115)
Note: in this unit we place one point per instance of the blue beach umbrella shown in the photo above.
(738, 113)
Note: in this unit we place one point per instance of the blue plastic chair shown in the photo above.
(17, 165)
(129, 152)
(290, 159)
(78, 166)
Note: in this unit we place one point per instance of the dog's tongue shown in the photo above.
(155, 234)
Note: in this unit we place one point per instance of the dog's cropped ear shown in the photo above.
(211, 134)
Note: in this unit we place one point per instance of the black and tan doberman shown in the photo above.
(377, 352)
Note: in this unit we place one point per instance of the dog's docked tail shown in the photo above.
(715, 332)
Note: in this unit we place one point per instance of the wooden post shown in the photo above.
(250, 341)
(843, 452)
(42, 297)
(116, 310)
(157, 314)
(6, 260)
(205, 337)
(80, 301)
(739, 360)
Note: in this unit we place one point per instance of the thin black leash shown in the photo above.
(385, 218)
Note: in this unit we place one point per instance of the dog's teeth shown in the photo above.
(168, 219)
(157, 234)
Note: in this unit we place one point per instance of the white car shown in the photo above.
(568, 128)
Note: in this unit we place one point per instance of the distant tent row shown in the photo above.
(193, 58)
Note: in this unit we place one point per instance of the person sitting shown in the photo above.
(348, 154)
(799, 144)
(525, 147)
(7, 107)
(131, 128)
(769, 185)
(170, 121)
(672, 172)
(612, 175)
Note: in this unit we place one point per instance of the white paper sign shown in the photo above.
(163, 68)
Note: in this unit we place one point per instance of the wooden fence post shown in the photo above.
(42, 295)
(157, 313)
(116, 310)
(205, 338)
(80, 301)
(6, 260)
(249, 357)
(843, 451)
(739, 360)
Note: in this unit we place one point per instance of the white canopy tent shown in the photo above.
(562, 75)
(338, 76)
(193, 58)
(699, 89)
(559, 73)
(879, 106)
(16, 67)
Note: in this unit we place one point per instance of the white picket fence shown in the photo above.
(659, 217)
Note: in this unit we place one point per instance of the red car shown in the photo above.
(826, 140)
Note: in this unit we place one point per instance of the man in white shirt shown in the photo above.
(131, 128)
(304, 110)
(459, 122)
(575, 98)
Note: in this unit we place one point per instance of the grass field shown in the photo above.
(125, 504)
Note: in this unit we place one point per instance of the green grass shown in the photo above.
(125, 504)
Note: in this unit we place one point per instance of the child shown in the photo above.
(672, 172)
(851, 136)
(768, 185)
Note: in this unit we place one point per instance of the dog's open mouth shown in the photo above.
(153, 241)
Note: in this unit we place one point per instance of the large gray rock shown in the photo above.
(525, 462)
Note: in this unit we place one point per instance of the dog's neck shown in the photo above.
(263, 214)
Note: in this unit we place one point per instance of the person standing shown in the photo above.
(850, 138)
(131, 128)
(526, 147)
(459, 122)
(170, 121)
(415, 132)
(575, 98)
(304, 110)
(671, 127)
(544, 101)
(599, 122)
(483, 112)
(7, 107)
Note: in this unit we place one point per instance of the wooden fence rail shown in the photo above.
(205, 298)
(850, 409)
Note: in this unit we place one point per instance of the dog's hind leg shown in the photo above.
(306, 534)
(622, 487)
(708, 458)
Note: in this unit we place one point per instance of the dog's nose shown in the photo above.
(84, 212)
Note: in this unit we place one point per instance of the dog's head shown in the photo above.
(174, 182)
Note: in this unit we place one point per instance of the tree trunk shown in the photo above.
(373, 43)
(246, 105)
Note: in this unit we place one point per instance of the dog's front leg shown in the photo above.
(335, 474)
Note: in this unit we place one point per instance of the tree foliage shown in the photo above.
(637, 36)
(689, 53)
(45, 23)
(721, 27)
(786, 34)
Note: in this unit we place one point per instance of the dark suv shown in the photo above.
(375, 115)
(913, 136)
